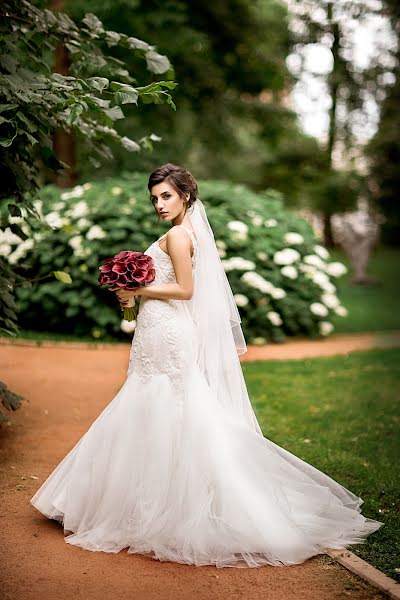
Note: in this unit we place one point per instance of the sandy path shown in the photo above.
(65, 389)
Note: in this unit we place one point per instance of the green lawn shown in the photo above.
(341, 414)
(371, 308)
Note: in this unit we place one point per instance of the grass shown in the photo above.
(371, 308)
(341, 414)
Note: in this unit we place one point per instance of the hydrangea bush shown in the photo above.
(282, 278)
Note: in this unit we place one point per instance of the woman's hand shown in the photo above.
(126, 297)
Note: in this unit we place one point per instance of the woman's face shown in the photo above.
(167, 201)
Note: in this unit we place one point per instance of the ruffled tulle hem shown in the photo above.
(94, 541)
(178, 478)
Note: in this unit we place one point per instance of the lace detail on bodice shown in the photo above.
(164, 328)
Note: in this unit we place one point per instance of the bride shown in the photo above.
(176, 466)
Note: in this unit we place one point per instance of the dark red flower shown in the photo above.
(127, 270)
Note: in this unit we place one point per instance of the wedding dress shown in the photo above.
(175, 469)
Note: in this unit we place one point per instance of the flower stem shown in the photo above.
(130, 313)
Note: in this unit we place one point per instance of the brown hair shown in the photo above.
(180, 179)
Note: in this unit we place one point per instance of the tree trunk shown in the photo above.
(333, 84)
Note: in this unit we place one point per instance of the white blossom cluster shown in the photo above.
(78, 212)
(8, 239)
(239, 230)
(239, 263)
(258, 282)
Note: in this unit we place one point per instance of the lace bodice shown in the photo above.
(164, 328)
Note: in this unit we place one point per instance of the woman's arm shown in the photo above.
(178, 246)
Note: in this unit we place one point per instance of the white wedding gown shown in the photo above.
(167, 471)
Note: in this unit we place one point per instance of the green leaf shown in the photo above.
(7, 141)
(4, 107)
(126, 94)
(62, 276)
(93, 23)
(129, 144)
(114, 113)
(98, 83)
(112, 38)
(157, 63)
(31, 126)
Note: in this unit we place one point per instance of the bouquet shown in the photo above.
(127, 270)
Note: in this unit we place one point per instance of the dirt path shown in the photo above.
(65, 388)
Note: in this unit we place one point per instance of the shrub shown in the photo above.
(280, 275)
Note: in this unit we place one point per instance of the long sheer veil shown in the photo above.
(218, 323)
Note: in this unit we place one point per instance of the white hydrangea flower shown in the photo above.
(318, 309)
(116, 191)
(132, 200)
(241, 300)
(290, 272)
(54, 220)
(15, 219)
(256, 281)
(257, 220)
(79, 210)
(270, 223)
(278, 293)
(239, 236)
(307, 268)
(9, 237)
(336, 269)
(321, 251)
(320, 278)
(262, 255)
(239, 230)
(95, 233)
(292, 237)
(5, 249)
(314, 260)
(221, 252)
(238, 226)
(275, 318)
(58, 206)
(75, 242)
(329, 288)
(128, 326)
(82, 252)
(239, 263)
(76, 192)
(330, 300)
(287, 256)
(341, 311)
(325, 327)
(20, 251)
(82, 222)
(220, 244)
(87, 186)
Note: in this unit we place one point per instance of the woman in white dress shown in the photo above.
(176, 466)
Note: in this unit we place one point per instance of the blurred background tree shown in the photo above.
(383, 150)
(234, 120)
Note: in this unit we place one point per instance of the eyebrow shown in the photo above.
(162, 194)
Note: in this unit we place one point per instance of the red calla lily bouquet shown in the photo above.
(127, 270)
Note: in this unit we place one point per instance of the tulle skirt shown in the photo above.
(179, 478)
